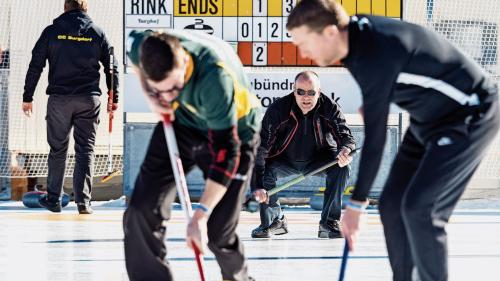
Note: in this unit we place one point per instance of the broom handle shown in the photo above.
(110, 104)
(302, 177)
(180, 182)
(345, 257)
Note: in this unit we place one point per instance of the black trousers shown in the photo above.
(427, 179)
(151, 201)
(336, 182)
(82, 114)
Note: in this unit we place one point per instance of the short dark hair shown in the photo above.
(75, 5)
(317, 14)
(159, 54)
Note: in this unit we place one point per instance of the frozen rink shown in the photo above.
(38, 245)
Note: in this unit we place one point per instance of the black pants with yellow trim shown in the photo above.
(150, 207)
(428, 177)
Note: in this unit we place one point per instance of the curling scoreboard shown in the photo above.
(255, 28)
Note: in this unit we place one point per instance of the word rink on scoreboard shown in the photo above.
(255, 28)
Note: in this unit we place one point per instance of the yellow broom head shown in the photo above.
(109, 176)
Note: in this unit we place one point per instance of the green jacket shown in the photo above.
(216, 98)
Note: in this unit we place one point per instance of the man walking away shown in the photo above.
(73, 46)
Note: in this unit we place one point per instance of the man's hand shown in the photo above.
(27, 108)
(261, 196)
(344, 157)
(197, 227)
(350, 223)
(112, 107)
(197, 231)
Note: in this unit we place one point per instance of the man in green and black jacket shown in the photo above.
(199, 80)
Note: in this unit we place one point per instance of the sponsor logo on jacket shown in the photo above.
(74, 38)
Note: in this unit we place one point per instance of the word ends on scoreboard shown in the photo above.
(255, 28)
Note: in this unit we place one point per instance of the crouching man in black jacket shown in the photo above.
(74, 46)
(301, 132)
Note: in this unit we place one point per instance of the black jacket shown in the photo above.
(418, 70)
(74, 46)
(280, 123)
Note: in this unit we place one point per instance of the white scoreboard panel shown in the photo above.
(255, 28)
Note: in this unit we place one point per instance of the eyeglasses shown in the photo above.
(156, 94)
(302, 92)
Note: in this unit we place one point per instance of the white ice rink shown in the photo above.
(38, 245)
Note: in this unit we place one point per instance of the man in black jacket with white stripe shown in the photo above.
(301, 132)
(454, 115)
(74, 46)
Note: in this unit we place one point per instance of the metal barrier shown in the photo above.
(138, 133)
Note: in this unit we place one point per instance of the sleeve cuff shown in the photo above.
(357, 197)
(27, 99)
(220, 176)
(351, 146)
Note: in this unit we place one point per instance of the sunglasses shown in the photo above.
(302, 92)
